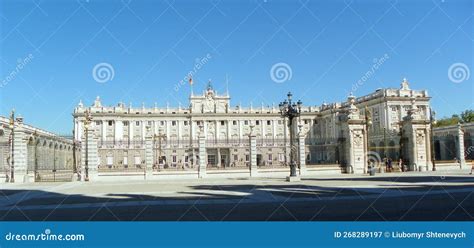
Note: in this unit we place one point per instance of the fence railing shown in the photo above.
(186, 143)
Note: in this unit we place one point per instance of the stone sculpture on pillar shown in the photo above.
(355, 150)
(417, 147)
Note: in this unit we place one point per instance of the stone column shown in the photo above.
(20, 156)
(354, 151)
(92, 158)
(429, 158)
(302, 152)
(148, 156)
(202, 154)
(460, 148)
(104, 131)
(218, 157)
(253, 155)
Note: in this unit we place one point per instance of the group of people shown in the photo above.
(389, 165)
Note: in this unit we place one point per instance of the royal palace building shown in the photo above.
(386, 124)
(211, 137)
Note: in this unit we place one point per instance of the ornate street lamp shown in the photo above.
(291, 110)
(12, 128)
(87, 122)
(432, 123)
(161, 137)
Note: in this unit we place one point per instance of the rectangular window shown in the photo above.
(174, 158)
(137, 123)
(110, 161)
(162, 123)
(138, 160)
(281, 157)
(185, 123)
(236, 157)
(246, 122)
(305, 121)
(211, 159)
(173, 123)
(125, 123)
(234, 123)
(257, 123)
(222, 123)
(247, 158)
(269, 123)
(149, 123)
(111, 123)
(270, 157)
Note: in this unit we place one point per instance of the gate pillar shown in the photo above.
(354, 138)
(417, 148)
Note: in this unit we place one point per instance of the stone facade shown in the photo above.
(34, 154)
(334, 133)
(454, 143)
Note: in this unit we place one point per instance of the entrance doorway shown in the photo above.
(259, 159)
(223, 160)
(211, 160)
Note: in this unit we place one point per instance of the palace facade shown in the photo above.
(338, 133)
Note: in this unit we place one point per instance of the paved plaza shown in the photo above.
(390, 196)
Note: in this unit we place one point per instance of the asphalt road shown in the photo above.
(392, 198)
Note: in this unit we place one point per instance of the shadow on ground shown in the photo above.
(397, 202)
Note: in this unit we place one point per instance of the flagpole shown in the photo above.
(191, 84)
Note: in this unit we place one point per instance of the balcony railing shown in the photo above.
(186, 143)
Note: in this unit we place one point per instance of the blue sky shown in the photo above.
(49, 49)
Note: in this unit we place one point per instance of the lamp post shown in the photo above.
(160, 136)
(291, 110)
(87, 122)
(12, 128)
(432, 123)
